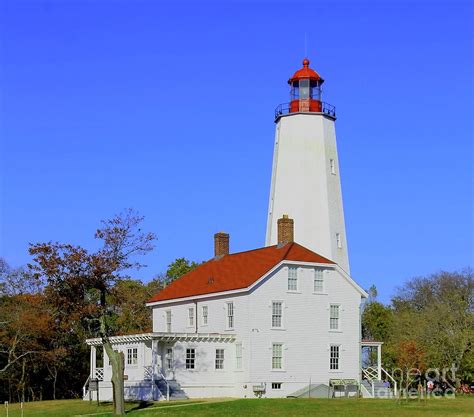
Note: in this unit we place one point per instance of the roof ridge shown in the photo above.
(245, 251)
(288, 250)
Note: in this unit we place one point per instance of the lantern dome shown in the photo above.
(306, 73)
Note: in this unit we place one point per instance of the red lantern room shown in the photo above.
(305, 94)
(305, 90)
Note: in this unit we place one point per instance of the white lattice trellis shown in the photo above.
(99, 374)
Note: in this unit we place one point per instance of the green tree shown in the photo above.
(435, 313)
(179, 267)
(130, 313)
(377, 321)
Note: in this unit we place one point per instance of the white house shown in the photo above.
(274, 321)
(279, 317)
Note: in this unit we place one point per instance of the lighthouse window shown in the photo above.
(304, 89)
(332, 165)
(338, 241)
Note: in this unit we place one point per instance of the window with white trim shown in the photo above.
(276, 385)
(168, 321)
(238, 356)
(277, 313)
(191, 317)
(169, 358)
(219, 358)
(277, 356)
(338, 241)
(332, 165)
(292, 278)
(132, 356)
(205, 312)
(318, 280)
(334, 317)
(190, 358)
(334, 357)
(230, 315)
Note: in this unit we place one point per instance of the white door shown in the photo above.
(168, 363)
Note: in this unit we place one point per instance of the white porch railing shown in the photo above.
(395, 388)
(99, 374)
(167, 384)
(371, 374)
(85, 387)
(148, 373)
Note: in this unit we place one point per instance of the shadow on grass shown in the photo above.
(140, 405)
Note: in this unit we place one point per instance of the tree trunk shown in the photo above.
(117, 363)
(55, 380)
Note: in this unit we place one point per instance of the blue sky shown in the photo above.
(167, 107)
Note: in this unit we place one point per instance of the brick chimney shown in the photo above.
(285, 230)
(221, 244)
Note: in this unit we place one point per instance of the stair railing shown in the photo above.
(84, 388)
(167, 384)
(370, 378)
(395, 390)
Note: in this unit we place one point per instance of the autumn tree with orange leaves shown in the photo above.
(80, 282)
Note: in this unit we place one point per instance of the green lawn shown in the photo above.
(69, 408)
(459, 407)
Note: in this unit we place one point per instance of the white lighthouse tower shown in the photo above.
(305, 176)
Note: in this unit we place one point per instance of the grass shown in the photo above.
(70, 408)
(462, 406)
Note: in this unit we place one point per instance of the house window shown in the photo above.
(230, 315)
(191, 317)
(204, 315)
(318, 280)
(332, 165)
(276, 385)
(277, 356)
(190, 358)
(219, 358)
(334, 317)
(334, 357)
(276, 313)
(132, 356)
(168, 321)
(169, 358)
(292, 278)
(238, 356)
(338, 241)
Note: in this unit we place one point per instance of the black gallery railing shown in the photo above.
(285, 108)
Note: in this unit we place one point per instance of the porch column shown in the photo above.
(379, 362)
(93, 361)
(154, 353)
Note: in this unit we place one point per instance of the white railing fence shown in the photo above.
(99, 374)
(148, 373)
(84, 388)
(371, 374)
(395, 388)
(167, 384)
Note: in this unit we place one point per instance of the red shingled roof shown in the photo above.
(235, 271)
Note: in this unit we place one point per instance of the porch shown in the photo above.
(148, 368)
(376, 382)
